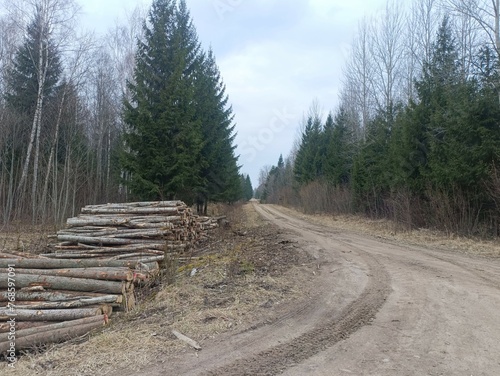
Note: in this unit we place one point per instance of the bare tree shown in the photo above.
(51, 20)
(387, 49)
(10, 37)
(76, 68)
(357, 96)
(485, 13)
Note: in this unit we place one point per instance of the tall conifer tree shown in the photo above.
(164, 137)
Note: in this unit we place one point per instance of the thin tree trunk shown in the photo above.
(35, 128)
(51, 157)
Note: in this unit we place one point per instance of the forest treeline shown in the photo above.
(140, 113)
(416, 136)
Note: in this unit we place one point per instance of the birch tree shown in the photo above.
(387, 49)
(36, 72)
(358, 98)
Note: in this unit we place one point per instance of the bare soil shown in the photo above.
(284, 293)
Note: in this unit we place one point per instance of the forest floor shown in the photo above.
(280, 292)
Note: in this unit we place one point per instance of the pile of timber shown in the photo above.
(130, 231)
(56, 299)
(92, 270)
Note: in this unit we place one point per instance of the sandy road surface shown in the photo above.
(375, 308)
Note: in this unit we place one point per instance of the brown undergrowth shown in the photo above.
(389, 230)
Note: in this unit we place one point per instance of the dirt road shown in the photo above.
(373, 308)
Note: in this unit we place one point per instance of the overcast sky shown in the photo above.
(275, 56)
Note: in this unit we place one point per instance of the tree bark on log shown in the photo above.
(104, 273)
(109, 240)
(48, 315)
(5, 326)
(51, 336)
(48, 326)
(173, 203)
(131, 210)
(77, 303)
(65, 283)
(49, 263)
(124, 233)
(126, 221)
(54, 296)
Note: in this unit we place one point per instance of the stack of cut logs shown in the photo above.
(99, 257)
(130, 231)
(55, 299)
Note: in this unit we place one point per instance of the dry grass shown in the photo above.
(230, 287)
(388, 230)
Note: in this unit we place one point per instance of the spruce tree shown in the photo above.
(339, 150)
(308, 162)
(219, 169)
(23, 77)
(164, 138)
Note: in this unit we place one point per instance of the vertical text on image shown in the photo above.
(11, 313)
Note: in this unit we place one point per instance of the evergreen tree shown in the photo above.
(164, 137)
(371, 173)
(339, 150)
(309, 159)
(246, 187)
(24, 77)
(219, 169)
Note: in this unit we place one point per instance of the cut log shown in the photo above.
(14, 254)
(95, 221)
(77, 303)
(131, 210)
(157, 219)
(93, 240)
(51, 336)
(48, 326)
(121, 233)
(47, 263)
(65, 283)
(106, 240)
(145, 225)
(104, 273)
(173, 203)
(127, 255)
(49, 315)
(53, 296)
(158, 245)
(5, 326)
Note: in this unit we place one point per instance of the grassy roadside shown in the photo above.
(386, 229)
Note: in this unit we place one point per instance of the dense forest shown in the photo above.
(416, 135)
(139, 113)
